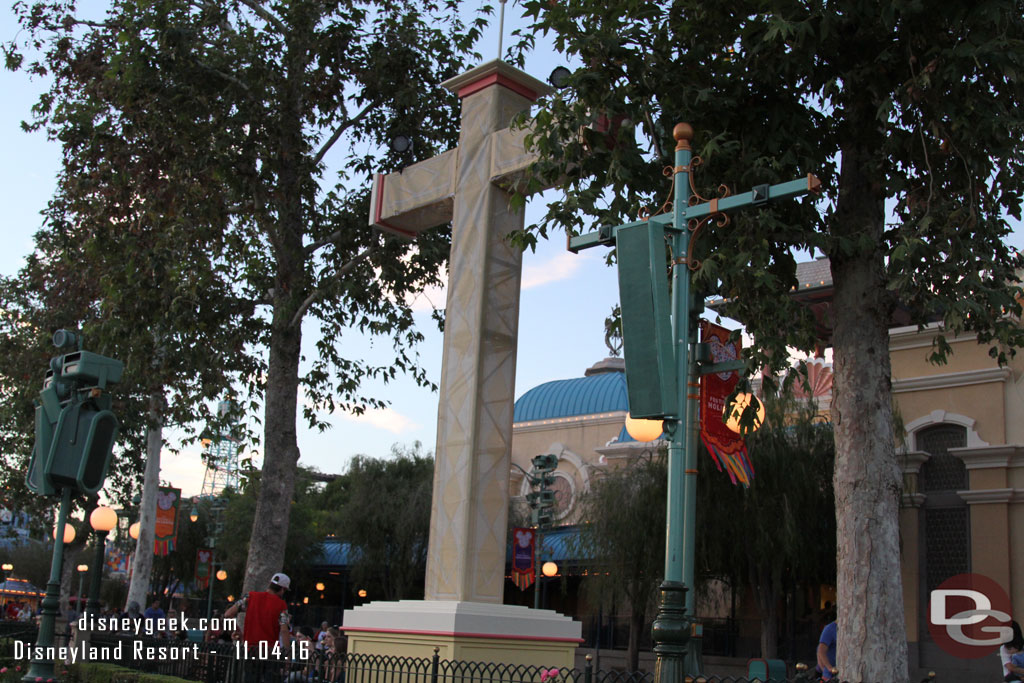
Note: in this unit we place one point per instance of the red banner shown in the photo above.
(523, 546)
(204, 567)
(167, 502)
(727, 448)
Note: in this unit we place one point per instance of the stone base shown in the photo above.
(463, 631)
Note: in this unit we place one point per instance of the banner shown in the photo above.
(204, 562)
(726, 447)
(167, 502)
(523, 544)
(116, 560)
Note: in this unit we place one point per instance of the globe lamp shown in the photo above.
(735, 409)
(643, 430)
(549, 569)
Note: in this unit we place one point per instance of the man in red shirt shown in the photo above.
(266, 617)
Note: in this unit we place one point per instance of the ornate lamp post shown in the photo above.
(102, 520)
(82, 569)
(663, 364)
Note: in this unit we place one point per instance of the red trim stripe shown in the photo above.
(378, 179)
(454, 634)
(478, 85)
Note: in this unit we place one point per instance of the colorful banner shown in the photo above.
(204, 562)
(523, 545)
(727, 448)
(167, 501)
(116, 560)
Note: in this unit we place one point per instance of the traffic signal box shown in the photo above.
(75, 429)
(542, 501)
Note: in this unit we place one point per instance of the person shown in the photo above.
(320, 635)
(152, 613)
(827, 650)
(266, 614)
(1012, 654)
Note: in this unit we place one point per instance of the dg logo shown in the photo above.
(969, 616)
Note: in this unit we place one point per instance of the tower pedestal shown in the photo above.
(464, 631)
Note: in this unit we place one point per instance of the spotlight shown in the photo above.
(559, 77)
(401, 144)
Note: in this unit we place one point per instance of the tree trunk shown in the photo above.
(767, 584)
(636, 627)
(871, 643)
(142, 564)
(280, 443)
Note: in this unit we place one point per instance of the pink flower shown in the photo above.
(39, 679)
(3, 670)
(548, 674)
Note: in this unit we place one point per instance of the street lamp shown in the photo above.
(658, 332)
(221, 575)
(320, 586)
(644, 431)
(69, 534)
(82, 569)
(133, 531)
(740, 404)
(193, 514)
(103, 519)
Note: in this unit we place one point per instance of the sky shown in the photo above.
(565, 297)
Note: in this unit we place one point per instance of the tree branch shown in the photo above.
(262, 13)
(319, 292)
(342, 127)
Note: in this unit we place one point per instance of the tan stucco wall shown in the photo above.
(982, 402)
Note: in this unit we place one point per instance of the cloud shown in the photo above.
(387, 419)
(562, 266)
(184, 471)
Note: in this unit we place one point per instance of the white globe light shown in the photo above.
(644, 430)
(735, 409)
(103, 518)
(133, 530)
(69, 533)
(549, 569)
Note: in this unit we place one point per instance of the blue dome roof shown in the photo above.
(604, 392)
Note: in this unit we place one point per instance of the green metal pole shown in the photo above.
(671, 630)
(42, 666)
(536, 569)
(93, 606)
(211, 578)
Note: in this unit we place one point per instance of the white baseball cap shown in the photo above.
(281, 580)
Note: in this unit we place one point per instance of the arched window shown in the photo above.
(947, 547)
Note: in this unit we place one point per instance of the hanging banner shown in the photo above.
(167, 502)
(523, 546)
(116, 560)
(727, 448)
(204, 562)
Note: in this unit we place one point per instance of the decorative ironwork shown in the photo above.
(947, 551)
(943, 471)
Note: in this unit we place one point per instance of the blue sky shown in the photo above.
(565, 297)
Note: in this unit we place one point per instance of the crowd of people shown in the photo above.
(17, 610)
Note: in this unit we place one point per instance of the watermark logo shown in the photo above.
(969, 616)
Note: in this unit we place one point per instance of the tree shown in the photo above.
(785, 520)
(384, 515)
(624, 532)
(301, 540)
(897, 103)
(259, 94)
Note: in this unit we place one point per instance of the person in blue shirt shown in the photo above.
(152, 613)
(827, 651)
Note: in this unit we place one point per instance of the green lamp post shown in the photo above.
(103, 519)
(663, 365)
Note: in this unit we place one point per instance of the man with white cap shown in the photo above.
(266, 616)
